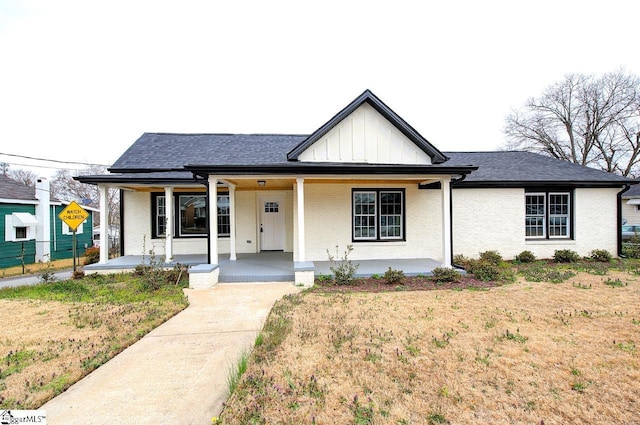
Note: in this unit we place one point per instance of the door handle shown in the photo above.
(261, 230)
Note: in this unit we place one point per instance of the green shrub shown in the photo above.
(488, 271)
(344, 271)
(631, 249)
(526, 257)
(446, 274)
(492, 257)
(393, 277)
(460, 260)
(565, 256)
(601, 255)
(91, 255)
(484, 270)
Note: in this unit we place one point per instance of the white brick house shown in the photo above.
(364, 178)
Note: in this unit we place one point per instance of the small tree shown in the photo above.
(344, 271)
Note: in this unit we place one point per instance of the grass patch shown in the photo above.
(513, 354)
(236, 371)
(53, 334)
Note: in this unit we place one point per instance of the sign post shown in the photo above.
(73, 216)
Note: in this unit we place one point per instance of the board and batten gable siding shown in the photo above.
(10, 252)
(365, 136)
(328, 221)
(494, 219)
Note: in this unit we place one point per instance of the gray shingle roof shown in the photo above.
(633, 192)
(11, 189)
(517, 166)
(168, 151)
(158, 152)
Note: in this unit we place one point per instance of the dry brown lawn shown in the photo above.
(524, 353)
(45, 346)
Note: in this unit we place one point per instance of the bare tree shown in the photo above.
(587, 119)
(26, 177)
(65, 188)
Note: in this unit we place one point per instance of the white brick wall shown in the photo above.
(488, 219)
(483, 219)
(328, 223)
(493, 219)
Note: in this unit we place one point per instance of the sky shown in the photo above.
(82, 80)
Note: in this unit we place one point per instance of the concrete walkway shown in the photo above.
(177, 373)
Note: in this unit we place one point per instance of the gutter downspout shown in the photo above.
(619, 223)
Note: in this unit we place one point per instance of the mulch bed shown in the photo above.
(410, 283)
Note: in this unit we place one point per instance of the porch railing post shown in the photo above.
(104, 224)
(446, 222)
(213, 220)
(300, 202)
(169, 209)
(232, 222)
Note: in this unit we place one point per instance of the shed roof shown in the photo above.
(11, 189)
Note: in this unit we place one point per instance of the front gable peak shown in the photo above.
(367, 131)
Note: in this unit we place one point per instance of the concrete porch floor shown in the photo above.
(269, 266)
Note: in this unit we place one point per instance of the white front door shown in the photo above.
(271, 222)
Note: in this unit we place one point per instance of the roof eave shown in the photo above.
(129, 180)
(321, 168)
(538, 183)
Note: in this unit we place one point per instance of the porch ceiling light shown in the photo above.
(261, 182)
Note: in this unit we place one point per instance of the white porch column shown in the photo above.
(104, 225)
(169, 226)
(232, 222)
(446, 222)
(300, 197)
(213, 220)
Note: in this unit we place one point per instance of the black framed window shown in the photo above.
(548, 215)
(224, 216)
(21, 233)
(190, 212)
(160, 226)
(378, 214)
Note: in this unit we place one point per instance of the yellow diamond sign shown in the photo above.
(73, 215)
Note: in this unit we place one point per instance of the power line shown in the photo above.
(53, 160)
(39, 166)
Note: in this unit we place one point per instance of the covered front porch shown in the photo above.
(268, 266)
